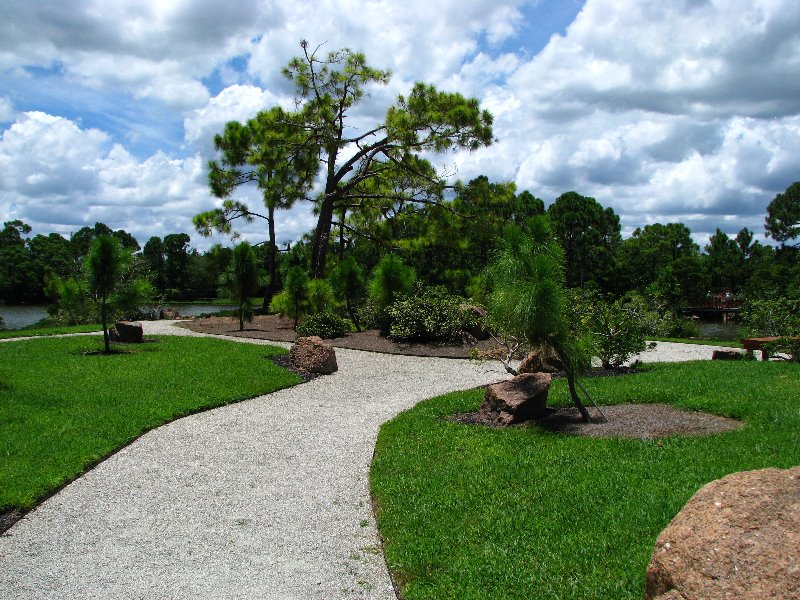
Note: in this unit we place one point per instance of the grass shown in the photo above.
(35, 331)
(61, 410)
(473, 512)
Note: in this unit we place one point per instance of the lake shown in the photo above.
(15, 317)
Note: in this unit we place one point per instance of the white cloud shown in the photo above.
(685, 109)
(79, 177)
(234, 103)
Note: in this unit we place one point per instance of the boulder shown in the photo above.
(519, 399)
(726, 355)
(128, 332)
(537, 362)
(313, 355)
(737, 537)
(168, 313)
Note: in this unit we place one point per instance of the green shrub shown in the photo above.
(429, 314)
(320, 296)
(776, 317)
(348, 282)
(391, 280)
(325, 324)
(618, 331)
(280, 303)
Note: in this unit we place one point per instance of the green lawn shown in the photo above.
(35, 331)
(61, 410)
(472, 512)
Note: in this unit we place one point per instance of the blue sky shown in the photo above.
(673, 111)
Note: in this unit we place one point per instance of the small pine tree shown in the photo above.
(241, 281)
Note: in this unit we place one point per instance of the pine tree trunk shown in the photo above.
(272, 260)
(104, 318)
(322, 233)
(570, 373)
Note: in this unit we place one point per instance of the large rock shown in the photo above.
(727, 355)
(313, 355)
(537, 362)
(519, 399)
(128, 332)
(737, 537)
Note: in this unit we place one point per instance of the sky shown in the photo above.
(669, 111)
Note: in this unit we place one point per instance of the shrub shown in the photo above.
(429, 314)
(348, 282)
(776, 317)
(618, 332)
(391, 279)
(320, 296)
(325, 324)
(280, 303)
(773, 317)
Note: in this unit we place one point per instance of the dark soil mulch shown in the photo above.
(637, 421)
(284, 361)
(281, 329)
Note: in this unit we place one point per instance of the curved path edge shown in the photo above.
(266, 498)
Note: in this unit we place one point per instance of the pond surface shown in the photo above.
(15, 317)
(719, 330)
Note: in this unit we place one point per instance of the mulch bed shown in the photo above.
(636, 421)
(281, 329)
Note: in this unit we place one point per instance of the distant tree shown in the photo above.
(241, 281)
(153, 254)
(105, 263)
(783, 214)
(528, 302)
(650, 250)
(18, 282)
(81, 240)
(269, 152)
(589, 234)
(52, 254)
(176, 263)
(725, 262)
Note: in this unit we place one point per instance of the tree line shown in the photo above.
(381, 196)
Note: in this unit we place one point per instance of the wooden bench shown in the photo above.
(752, 344)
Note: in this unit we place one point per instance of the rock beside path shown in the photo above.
(313, 355)
(128, 332)
(519, 399)
(737, 537)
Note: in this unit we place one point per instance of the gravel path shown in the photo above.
(267, 498)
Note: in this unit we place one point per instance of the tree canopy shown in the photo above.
(783, 214)
(382, 163)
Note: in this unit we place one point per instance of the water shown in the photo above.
(192, 310)
(718, 330)
(16, 317)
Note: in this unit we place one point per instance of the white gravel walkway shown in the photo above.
(268, 498)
